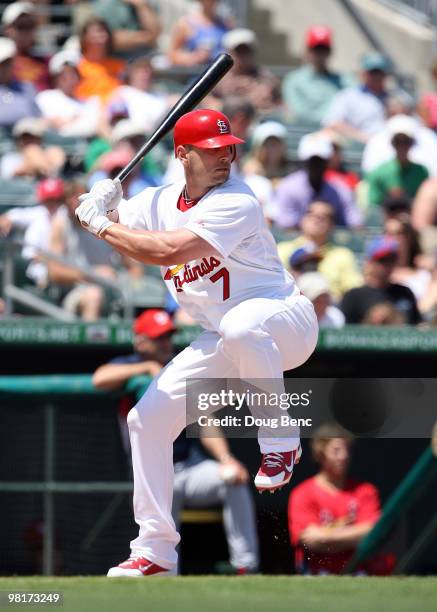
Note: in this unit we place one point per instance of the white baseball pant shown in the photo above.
(258, 339)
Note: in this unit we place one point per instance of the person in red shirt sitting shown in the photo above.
(330, 513)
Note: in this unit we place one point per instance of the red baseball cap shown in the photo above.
(318, 36)
(153, 323)
(50, 189)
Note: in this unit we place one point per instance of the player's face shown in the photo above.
(336, 457)
(208, 167)
(159, 349)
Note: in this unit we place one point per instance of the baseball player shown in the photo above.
(219, 261)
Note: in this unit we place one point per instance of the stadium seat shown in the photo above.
(16, 192)
(72, 145)
(149, 292)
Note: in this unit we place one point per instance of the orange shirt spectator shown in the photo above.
(99, 78)
(100, 72)
(20, 25)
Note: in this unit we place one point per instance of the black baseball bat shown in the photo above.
(194, 94)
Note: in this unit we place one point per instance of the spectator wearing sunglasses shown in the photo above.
(20, 25)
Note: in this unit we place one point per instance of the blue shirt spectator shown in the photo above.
(197, 37)
(17, 100)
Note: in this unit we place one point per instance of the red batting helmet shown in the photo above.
(204, 128)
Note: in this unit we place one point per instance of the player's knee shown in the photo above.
(132, 418)
(142, 415)
(148, 413)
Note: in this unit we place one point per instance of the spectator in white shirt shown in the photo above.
(36, 221)
(65, 113)
(359, 112)
(145, 106)
(32, 159)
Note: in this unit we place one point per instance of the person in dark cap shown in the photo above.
(304, 259)
(382, 256)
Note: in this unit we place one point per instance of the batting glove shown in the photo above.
(107, 192)
(91, 214)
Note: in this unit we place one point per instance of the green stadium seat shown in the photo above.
(149, 292)
(353, 240)
(17, 192)
(72, 145)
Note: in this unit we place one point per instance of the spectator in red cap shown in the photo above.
(152, 342)
(198, 481)
(382, 257)
(308, 91)
(35, 222)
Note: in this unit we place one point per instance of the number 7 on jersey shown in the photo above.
(224, 274)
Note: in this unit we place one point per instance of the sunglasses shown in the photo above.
(25, 25)
(399, 141)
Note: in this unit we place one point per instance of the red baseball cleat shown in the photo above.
(276, 470)
(137, 567)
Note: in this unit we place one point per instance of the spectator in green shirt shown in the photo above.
(134, 24)
(308, 91)
(400, 176)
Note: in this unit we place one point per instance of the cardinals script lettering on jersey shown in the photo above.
(184, 273)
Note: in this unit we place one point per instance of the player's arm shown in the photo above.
(160, 248)
(126, 40)
(113, 376)
(334, 539)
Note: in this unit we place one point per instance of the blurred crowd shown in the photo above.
(344, 165)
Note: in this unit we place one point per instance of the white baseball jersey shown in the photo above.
(230, 218)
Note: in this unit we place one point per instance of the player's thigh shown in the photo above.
(203, 485)
(295, 331)
(164, 403)
(291, 323)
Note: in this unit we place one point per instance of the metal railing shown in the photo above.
(12, 293)
(423, 11)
